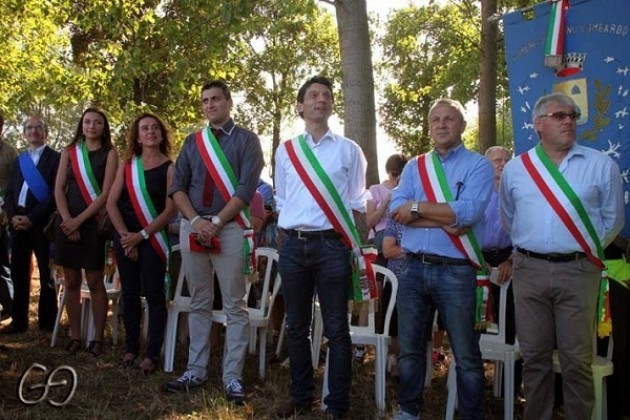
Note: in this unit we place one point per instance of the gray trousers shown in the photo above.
(199, 268)
(555, 307)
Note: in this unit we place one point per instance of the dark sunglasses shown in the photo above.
(560, 115)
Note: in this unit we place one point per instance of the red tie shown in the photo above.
(208, 187)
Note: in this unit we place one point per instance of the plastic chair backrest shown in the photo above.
(271, 256)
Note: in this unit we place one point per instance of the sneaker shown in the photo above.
(292, 409)
(359, 354)
(186, 382)
(234, 392)
(403, 415)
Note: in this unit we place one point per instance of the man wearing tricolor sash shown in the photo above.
(321, 199)
(29, 202)
(216, 175)
(562, 204)
(441, 199)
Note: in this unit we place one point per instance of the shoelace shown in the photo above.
(234, 386)
(186, 377)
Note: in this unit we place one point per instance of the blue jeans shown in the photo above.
(307, 266)
(450, 288)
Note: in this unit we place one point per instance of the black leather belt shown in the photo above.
(553, 257)
(312, 235)
(439, 260)
(497, 251)
(495, 256)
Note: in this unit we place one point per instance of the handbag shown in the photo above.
(51, 226)
(105, 226)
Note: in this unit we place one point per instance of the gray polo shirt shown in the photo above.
(241, 148)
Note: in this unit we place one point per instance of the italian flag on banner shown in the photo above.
(436, 188)
(327, 197)
(554, 46)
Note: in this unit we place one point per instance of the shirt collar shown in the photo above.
(329, 135)
(37, 151)
(575, 150)
(454, 151)
(228, 127)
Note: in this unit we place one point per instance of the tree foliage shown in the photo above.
(430, 52)
(129, 56)
(277, 58)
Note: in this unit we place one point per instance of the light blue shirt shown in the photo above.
(466, 171)
(495, 236)
(535, 226)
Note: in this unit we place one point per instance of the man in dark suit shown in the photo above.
(7, 157)
(29, 202)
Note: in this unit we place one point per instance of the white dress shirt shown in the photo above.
(345, 165)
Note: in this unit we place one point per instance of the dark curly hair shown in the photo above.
(135, 149)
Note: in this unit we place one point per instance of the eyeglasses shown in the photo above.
(34, 127)
(560, 115)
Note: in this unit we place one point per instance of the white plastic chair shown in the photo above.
(366, 335)
(178, 305)
(61, 302)
(493, 347)
(259, 316)
(112, 287)
(602, 367)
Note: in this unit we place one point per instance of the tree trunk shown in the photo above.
(488, 78)
(358, 80)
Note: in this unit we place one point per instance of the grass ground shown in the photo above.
(105, 391)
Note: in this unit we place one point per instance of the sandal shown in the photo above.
(148, 365)
(73, 346)
(127, 360)
(95, 348)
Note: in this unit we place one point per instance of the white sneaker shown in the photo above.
(186, 382)
(234, 392)
(403, 415)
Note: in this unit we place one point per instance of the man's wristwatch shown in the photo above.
(414, 209)
(216, 220)
(144, 234)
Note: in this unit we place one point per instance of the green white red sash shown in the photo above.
(82, 169)
(145, 209)
(143, 204)
(327, 197)
(437, 190)
(225, 179)
(569, 208)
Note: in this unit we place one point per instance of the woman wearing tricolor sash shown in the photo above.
(86, 172)
(140, 211)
